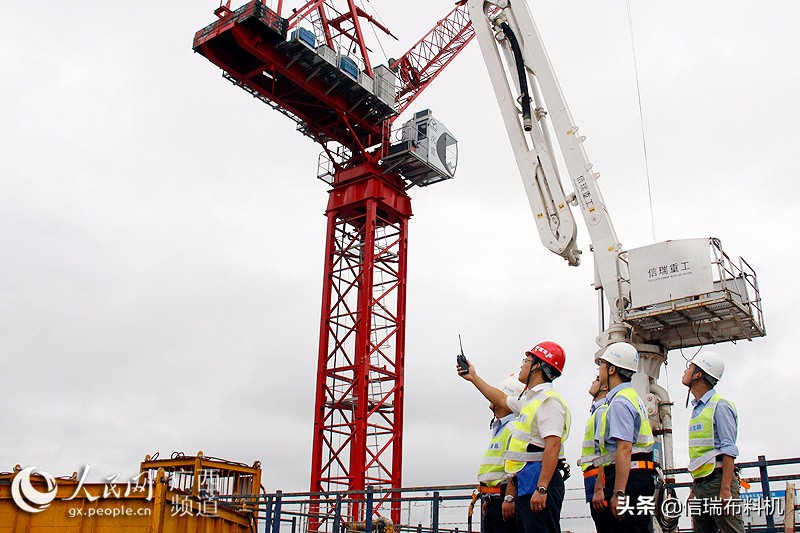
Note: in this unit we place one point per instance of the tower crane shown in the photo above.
(312, 64)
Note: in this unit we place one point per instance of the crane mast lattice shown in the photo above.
(314, 67)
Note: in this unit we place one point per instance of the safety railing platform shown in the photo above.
(728, 309)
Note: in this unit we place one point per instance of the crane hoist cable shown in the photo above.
(374, 31)
(641, 121)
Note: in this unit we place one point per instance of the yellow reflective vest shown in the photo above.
(517, 454)
(644, 441)
(702, 454)
(492, 471)
(589, 448)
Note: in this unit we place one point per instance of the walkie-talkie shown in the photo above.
(461, 359)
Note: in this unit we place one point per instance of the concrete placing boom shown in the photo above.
(668, 295)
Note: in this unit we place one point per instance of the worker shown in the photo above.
(535, 464)
(712, 446)
(625, 440)
(591, 451)
(497, 514)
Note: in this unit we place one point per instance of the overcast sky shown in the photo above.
(162, 232)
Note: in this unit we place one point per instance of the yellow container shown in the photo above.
(155, 507)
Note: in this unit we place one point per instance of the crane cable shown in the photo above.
(377, 39)
(667, 523)
(641, 121)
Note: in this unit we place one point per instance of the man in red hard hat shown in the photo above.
(534, 461)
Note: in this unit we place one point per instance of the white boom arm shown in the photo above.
(521, 73)
(505, 30)
(721, 310)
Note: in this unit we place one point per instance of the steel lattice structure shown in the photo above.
(358, 419)
(358, 423)
(425, 60)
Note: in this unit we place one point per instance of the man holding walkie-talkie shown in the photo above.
(534, 461)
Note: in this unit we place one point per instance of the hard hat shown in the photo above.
(511, 386)
(621, 355)
(709, 362)
(551, 353)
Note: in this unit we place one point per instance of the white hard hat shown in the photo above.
(511, 386)
(622, 355)
(709, 362)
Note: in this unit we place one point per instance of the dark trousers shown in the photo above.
(707, 488)
(640, 483)
(493, 518)
(548, 520)
(602, 523)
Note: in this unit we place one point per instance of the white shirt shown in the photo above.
(550, 418)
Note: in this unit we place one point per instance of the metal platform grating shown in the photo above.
(731, 312)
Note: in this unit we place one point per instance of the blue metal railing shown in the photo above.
(448, 509)
(764, 478)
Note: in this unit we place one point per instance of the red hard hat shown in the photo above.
(551, 353)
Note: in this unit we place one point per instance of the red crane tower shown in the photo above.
(313, 66)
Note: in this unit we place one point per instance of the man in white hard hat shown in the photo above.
(625, 440)
(497, 513)
(590, 451)
(535, 461)
(712, 446)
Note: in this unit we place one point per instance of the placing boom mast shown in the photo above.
(651, 304)
(506, 30)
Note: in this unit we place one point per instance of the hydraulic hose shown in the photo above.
(525, 98)
(475, 497)
(667, 523)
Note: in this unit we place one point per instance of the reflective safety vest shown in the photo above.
(517, 454)
(644, 440)
(702, 454)
(491, 471)
(589, 449)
